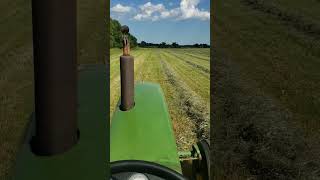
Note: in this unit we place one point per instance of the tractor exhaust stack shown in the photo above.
(55, 73)
(126, 73)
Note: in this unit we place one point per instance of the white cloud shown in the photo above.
(170, 13)
(149, 10)
(188, 9)
(120, 8)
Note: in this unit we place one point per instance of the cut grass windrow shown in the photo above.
(199, 67)
(298, 22)
(198, 56)
(194, 57)
(188, 105)
(189, 101)
(202, 52)
(203, 55)
(195, 62)
(196, 80)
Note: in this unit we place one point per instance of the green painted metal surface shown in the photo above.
(144, 132)
(88, 159)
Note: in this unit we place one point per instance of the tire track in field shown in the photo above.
(256, 135)
(183, 127)
(198, 53)
(201, 68)
(197, 56)
(193, 54)
(296, 21)
(189, 101)
(205, 70)
(196, 80)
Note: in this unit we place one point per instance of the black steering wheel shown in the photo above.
(146, 167)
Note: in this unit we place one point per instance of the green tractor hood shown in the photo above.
(144, 132)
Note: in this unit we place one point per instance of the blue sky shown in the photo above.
(181, 21)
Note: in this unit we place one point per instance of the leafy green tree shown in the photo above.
(143, 44)
(175, 45)
(162, 45)
(116, 36)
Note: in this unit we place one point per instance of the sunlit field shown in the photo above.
(184, 76)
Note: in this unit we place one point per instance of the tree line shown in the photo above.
(116, 36)
(116, 40)
(172, 45)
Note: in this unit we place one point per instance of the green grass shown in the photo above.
(16, 66)
(266, 79)
(185, 84)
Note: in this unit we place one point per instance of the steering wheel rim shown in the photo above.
(144, 167)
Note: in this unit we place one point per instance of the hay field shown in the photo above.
(266, 89)
(184, 76)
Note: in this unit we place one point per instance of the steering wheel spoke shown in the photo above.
(144, 167)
